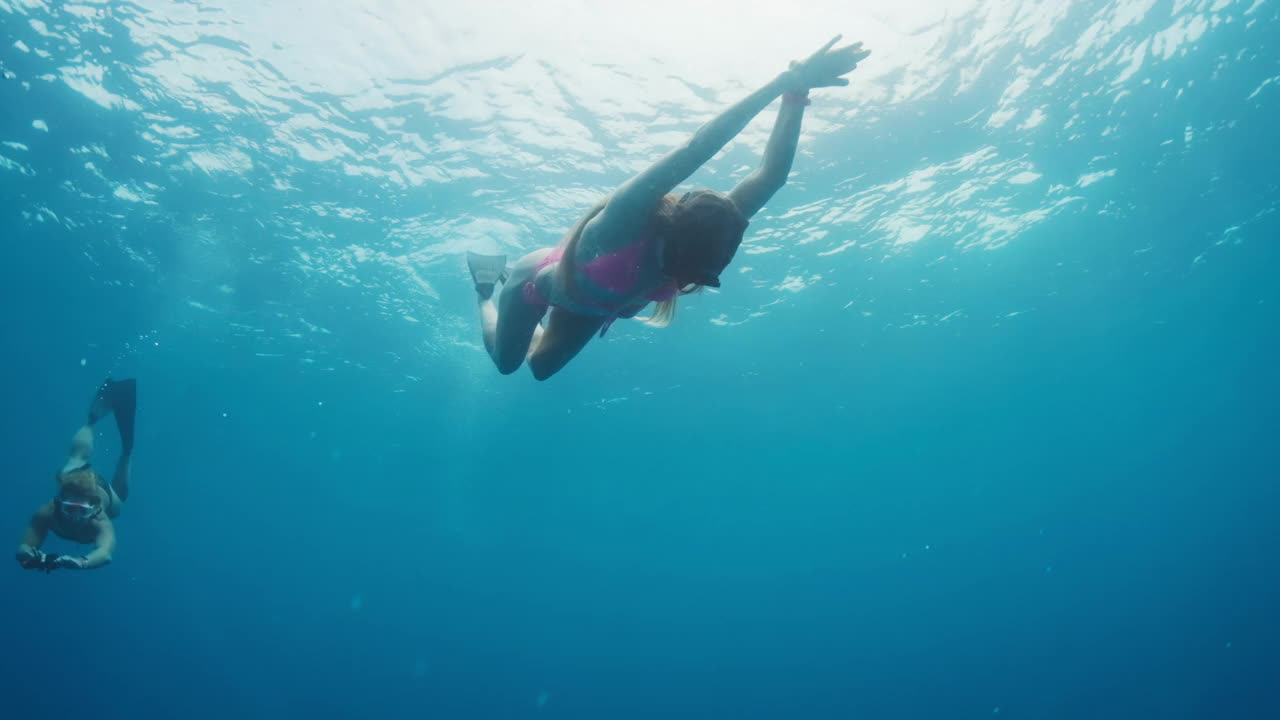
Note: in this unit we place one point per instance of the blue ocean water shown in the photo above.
(982, 423)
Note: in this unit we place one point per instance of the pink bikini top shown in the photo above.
(617, 273)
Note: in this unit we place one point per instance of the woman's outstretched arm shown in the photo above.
(101, 555)
(753, 192)
(633, 202)
(824, 68)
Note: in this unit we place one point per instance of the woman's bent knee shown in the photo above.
(506, 368)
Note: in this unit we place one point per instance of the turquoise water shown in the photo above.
(981, 424)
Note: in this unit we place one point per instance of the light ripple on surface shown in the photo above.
(385, 114)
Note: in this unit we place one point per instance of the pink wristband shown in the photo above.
(797, 96)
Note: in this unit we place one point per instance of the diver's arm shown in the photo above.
(630, 206)
(37, 531)
(753, 192)
(29, 555)
(106, 545)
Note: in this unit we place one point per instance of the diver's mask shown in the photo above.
(78, 510)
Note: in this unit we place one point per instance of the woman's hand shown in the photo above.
(825, 67)
(70, 563)
(33, 559)
(30, 558)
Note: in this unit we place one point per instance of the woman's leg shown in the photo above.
(118, 398)
(118, 491)
(81, 449)
(566, 334)
(120, 479)
(511, 324)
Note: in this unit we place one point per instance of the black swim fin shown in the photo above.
(119, 398)
(486, 272)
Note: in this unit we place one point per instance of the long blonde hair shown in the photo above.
(664, 218)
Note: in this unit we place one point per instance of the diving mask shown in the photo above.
(79, 510)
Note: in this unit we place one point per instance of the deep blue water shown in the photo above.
(985, 427)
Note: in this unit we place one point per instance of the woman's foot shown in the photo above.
(119, 398)
(486, 272)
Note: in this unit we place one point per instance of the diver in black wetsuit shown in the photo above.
(85, 505)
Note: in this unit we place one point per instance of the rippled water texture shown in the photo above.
(273, 166)
(981, 424)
